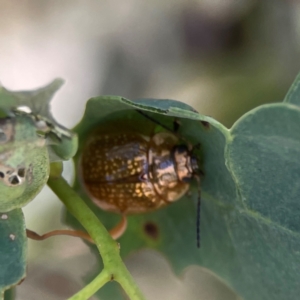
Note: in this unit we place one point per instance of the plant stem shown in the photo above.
(10, 294)
(108, 248)
(89, 290)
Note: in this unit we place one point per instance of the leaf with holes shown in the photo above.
(24, 165)
(29, 140)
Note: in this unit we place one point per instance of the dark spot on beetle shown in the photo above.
(9, 172)
(2, 175)
(14, 180)
(205, 124)
(151, 229)
(21, 172)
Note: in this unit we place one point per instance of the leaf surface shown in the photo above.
(29, 140)
(251, 186)
(13, 249)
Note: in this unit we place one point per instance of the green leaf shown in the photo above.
(293, 95)
(24, 165)
(263, 156)
(61, 142)
(250, 206)
(271, 136)
(13, 249)
(37, 100)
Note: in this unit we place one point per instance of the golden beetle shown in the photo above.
(128, 172)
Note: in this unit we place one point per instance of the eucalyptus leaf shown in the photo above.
(250, 188)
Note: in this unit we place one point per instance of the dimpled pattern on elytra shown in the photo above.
(128, 172)
(114, 171)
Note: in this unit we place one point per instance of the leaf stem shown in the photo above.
(108, 248)
(10, 294)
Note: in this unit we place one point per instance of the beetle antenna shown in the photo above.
(196, 147)
(153, 120)
(162, 125)
(198, 212)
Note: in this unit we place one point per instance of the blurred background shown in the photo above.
(223, 57)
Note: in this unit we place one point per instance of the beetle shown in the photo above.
(128, 172)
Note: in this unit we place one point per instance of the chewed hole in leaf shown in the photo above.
(205, 124)
(21, 172)
(151, 230)
(14, 180)
(11, 176)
